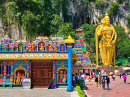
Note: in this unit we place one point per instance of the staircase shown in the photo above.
(80, 50)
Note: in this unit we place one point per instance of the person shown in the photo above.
(103, 83)
(92, 75)
(73, 80)
(114, 77)
(124, 77)
(108, 81)
(96, 80)
(120, 75)
(76, 78)
(99, 81)
(89, 79)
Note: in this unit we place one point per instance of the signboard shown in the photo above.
(26, 83)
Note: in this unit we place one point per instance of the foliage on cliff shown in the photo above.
(36, 17)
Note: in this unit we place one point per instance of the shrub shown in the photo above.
(80, 92)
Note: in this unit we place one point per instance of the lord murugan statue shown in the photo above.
(107, 43)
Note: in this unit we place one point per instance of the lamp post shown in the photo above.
(69, 43)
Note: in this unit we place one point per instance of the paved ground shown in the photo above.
(117, 89)
(60, 92)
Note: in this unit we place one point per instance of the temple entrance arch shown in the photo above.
(62, 74)
(21, 71)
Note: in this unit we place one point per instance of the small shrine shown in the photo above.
(34, 65)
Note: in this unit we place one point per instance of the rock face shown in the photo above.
(80, 14)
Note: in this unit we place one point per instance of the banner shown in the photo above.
(26, 83)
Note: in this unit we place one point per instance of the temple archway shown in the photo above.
(20, 70)
(62, 74)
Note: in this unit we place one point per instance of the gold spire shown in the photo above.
(106, 14)
(69, 40)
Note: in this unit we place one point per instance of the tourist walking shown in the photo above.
(89, 79)
(114, 77)
(99, 81)
(96, 80)
(124, 77)
(120, 75)
(76, 78)
(73, 80)
(103, 83)
(108, 81)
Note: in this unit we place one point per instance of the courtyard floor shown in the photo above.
(117, 88)
(42, 92)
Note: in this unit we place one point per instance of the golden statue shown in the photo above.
(107, 42)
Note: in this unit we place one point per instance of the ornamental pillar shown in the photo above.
(12, 67)
(54, 74)
(28, 68)
(4, 71)
(69, 42)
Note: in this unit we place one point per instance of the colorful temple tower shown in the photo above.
(84, 62)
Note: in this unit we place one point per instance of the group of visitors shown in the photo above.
(100, 82)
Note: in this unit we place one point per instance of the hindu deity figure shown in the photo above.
(12, 46)
(29, 46)
(107, 42)
(62, 47)
(61, 77)
(41, 45)
(56, 48)
(21, 47)
(18, 78)
(32, 48)
(64, 77)
(22, 77)
(1, 81)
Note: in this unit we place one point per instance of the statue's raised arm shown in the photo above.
(107, 42)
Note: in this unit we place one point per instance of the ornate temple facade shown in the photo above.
(42, 61)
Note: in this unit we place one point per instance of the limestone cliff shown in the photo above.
(80, 14)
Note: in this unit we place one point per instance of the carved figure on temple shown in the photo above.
(107, 42)
(26, 48)
(12, 46)
(62, 47)
(20, 47)
(61, 77)
(32, 48)
(64, 77)
(41, 46)
(1, 81)
(29, 46)
(56, 48)
(18, 78)
(8, 80)
(5, 43)
(22, 77)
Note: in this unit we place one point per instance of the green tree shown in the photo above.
(34, 16)
(122, 43)
(66, 30)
